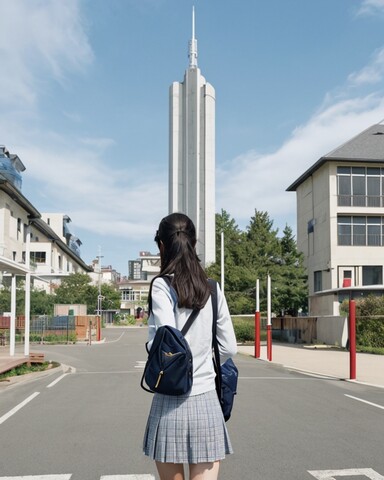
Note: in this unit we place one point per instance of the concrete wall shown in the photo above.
(332, 330)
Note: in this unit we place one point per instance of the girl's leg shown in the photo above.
(204, 471)
(170, 471)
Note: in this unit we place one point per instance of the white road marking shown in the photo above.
(14, 410)
(57, 380)
(69, 475)
(351, 472)
(127, 477)
(365, 401)
(140, 364)
(40, 477)
(114, 341)
(276, 378)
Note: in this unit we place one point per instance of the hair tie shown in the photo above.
(179, 231)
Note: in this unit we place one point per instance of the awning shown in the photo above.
(9, 266)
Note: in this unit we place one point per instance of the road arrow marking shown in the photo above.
(352, 472)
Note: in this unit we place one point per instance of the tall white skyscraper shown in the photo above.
(192, 152)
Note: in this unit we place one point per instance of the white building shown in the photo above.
(340, 222)
(53, 251)
(29, 247)
(192, 153)
(134, 291)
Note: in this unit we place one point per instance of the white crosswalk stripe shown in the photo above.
(40, 477)
(127, 477)
(67, 476)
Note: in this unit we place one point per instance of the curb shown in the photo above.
(324, 376)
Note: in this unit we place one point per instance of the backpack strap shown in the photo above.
(194, 312)
(215, 345)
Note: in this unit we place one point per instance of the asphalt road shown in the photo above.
(89, 422)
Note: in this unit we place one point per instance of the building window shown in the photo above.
(360, 186)
(373, 275)
(38, 257)
(128, 295)
(318, 281)
(360, 230)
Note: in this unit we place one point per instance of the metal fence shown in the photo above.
(43, 328)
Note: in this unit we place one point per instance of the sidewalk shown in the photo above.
(7, 362)
(323, 361)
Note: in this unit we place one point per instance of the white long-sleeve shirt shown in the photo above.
(199, 336)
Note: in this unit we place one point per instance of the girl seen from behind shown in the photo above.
(187, 429)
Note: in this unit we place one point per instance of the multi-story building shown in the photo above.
(104, 274)
(15, 214)
(53, 251)
(134, 291)
(340, 222)
(52, 255)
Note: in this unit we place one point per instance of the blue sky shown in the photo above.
(84, 103)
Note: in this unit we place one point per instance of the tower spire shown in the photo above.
(193, 44)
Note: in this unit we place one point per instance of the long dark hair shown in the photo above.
(176, 239)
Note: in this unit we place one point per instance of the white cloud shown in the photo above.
(96, 196)
(37, 38)
(260, 181)
(371, 73)
(371, 7)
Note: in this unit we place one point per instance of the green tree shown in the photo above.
(5, 299)
(263, 256)
(77, 289)
(292, 289)
(253, 254)
(41, 303)
(111, 300)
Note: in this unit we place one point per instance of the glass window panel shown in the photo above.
(344, 185)
(358, 191)
(344, 170)
(373, 191)
(359, 220)
(359, 235)
(317, 281)
(358, 170)
(344, 191)
(374, 220)
(374, 235)
(373, 275)
(344, 235)
(373, 171)
(344, 219)
(358, 185)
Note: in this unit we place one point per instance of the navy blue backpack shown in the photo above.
(169, 367)
(227, 373)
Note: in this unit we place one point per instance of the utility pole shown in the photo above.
(99, 296)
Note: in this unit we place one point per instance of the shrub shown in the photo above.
(244, 329)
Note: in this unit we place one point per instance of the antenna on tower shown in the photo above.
(193, 44)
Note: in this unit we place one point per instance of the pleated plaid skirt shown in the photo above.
(186, 429)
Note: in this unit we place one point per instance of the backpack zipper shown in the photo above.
(159, 378)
